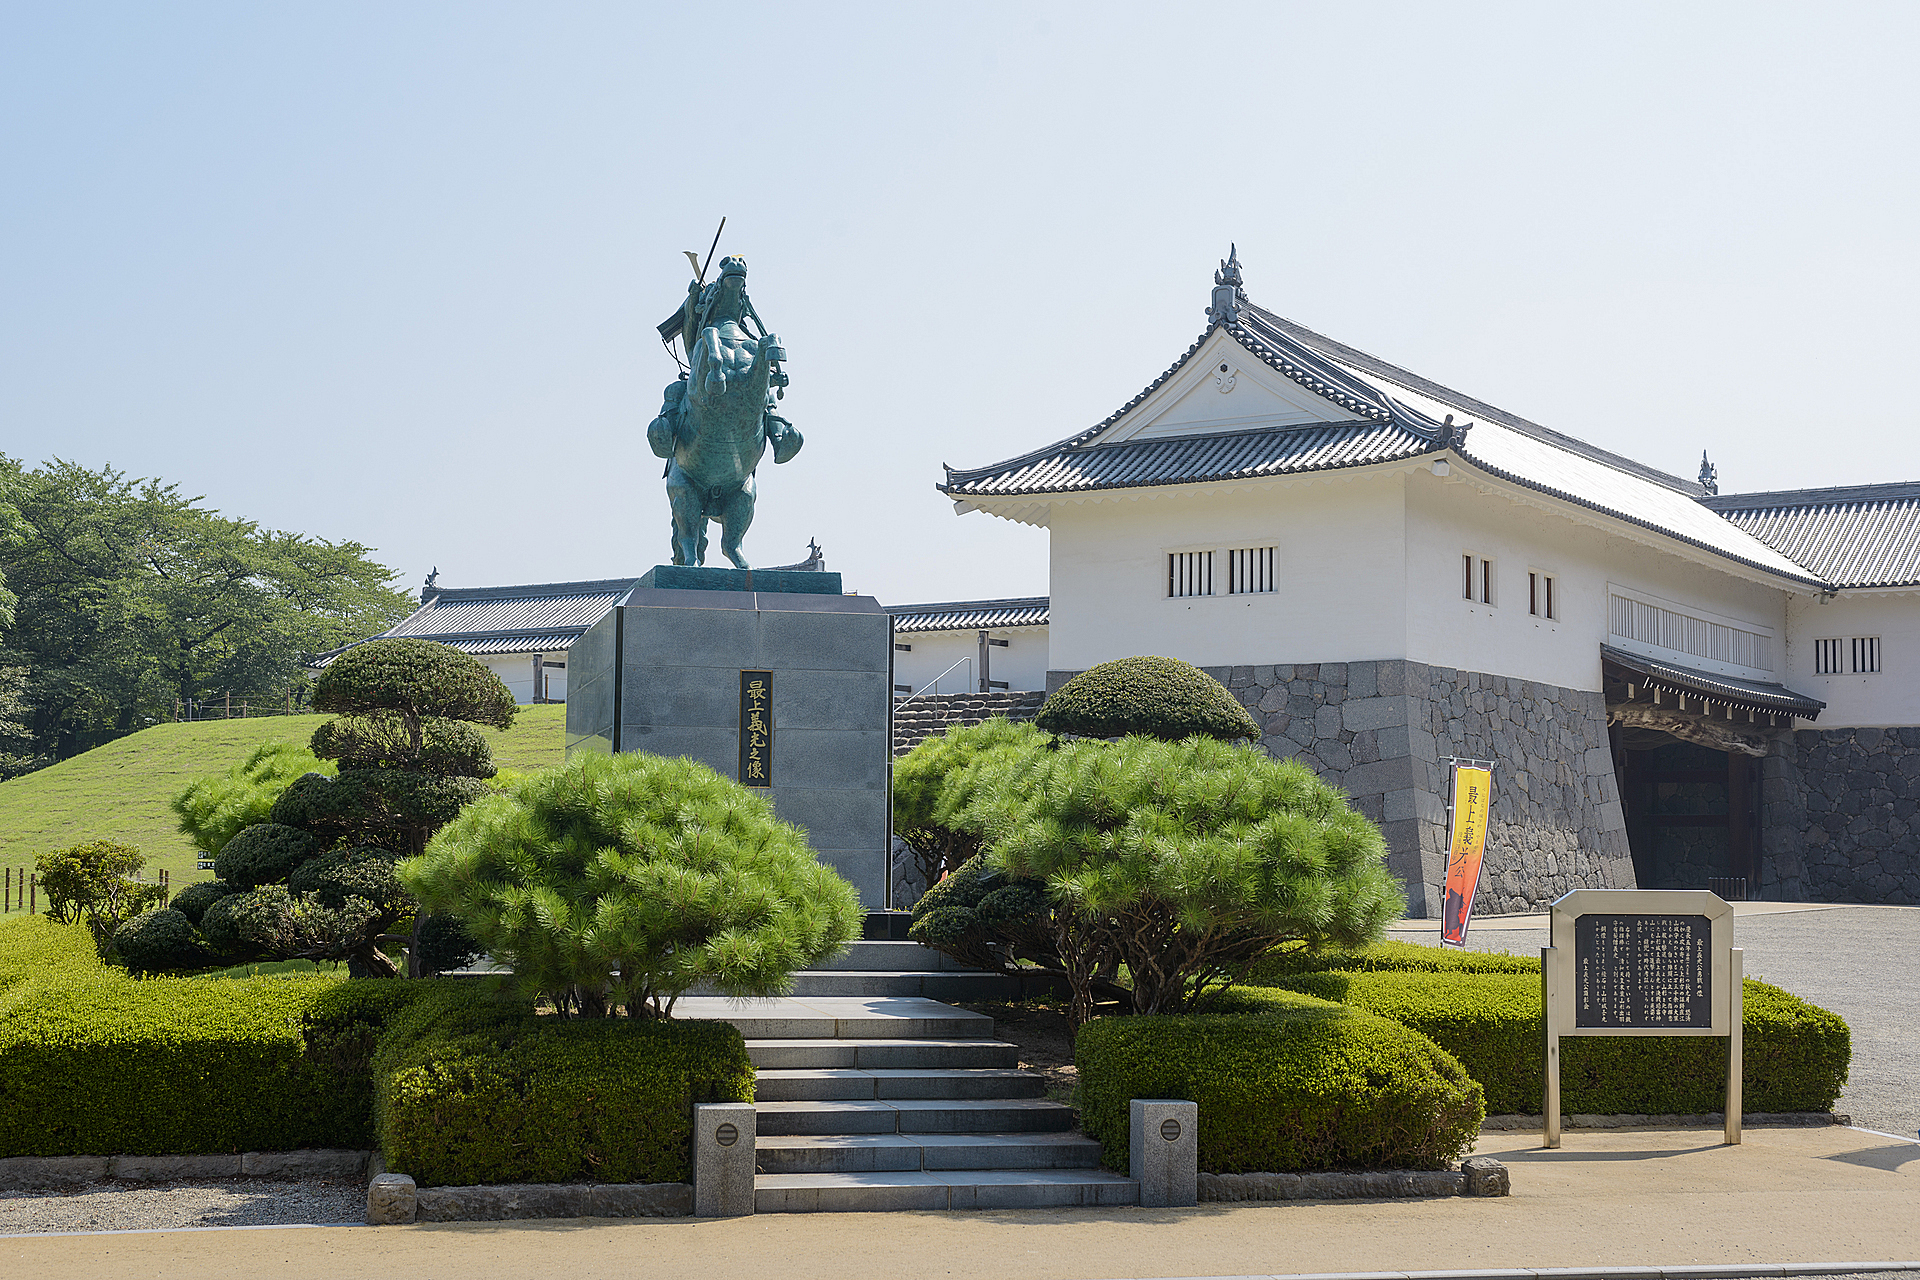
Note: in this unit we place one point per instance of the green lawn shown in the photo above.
(120, 791)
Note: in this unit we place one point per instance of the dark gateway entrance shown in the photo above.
(1687, 747)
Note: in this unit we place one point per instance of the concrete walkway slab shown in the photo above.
(1614, 1198)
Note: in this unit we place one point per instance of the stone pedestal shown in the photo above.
(663, 673)
(1164, 1151)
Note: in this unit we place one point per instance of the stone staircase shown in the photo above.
(873, 1094)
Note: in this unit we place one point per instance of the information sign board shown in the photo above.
(1642, 971)
(1641, 962)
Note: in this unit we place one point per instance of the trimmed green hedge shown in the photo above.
(472, 1088)
(95, 1063)
(1796, 1054)
(1294, 1084)
(1383, 957)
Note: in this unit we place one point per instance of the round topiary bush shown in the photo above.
(1151, 696)
(262, 854)
(157, 940)
(364, 872)
(416, 678)
(261, 922)
(624, 880)
(383, 740)
(193, 901)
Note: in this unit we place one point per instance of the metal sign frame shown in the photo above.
(1557, 982)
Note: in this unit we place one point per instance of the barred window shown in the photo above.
(1189, 573)
(1826, 657)
(1541, 595)
(1479, 578)
(1250, 570)
(1866, 654)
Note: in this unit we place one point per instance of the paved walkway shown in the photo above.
(1604, 1199)
(1861, 962)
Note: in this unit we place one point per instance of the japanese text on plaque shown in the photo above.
(756, 728)
(1642, 971)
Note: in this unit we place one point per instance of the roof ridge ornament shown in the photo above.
(1452, 435)
(1227, 291)
(1709, 475)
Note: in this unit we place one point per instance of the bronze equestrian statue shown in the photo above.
(717, 420)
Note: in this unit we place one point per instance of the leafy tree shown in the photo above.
(96, 882)
(1184, 862)
(917, 781)
(1158, 697)
(132, 595)
(624, 880)
(213, 809)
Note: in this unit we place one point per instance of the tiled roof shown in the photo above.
(1184, 459)
(970, 615)
(1398, 415)
(1862, 536)
(460, 610)
(1725, 690)
(541, 617)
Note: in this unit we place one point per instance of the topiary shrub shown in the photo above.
(1152, 696)
(262, 854)
(214, 809)
(984, 917)
(1184, 862)
(472, 1089)
(364, 872)
(252, 923)
(193, 901)
(381, 740)
(157, 940)
(1796, 1054)
(416, 680)
(624, 880)
(920, 776)
(1276, 966)
(1303, 1084)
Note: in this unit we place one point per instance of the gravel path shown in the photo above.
(1857, 961)
(126, 1206)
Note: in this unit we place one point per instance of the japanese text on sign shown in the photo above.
(756, 728)
(1640, 971)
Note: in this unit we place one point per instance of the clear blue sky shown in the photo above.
(390, 271)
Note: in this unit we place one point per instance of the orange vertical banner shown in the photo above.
(1466, 846)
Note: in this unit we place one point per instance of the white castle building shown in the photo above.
(1676, 686)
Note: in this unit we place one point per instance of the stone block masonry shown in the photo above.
(1383, 731)
(1840, 816)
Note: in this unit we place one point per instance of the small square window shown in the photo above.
(1543, 595)
(1866, 655)
(1826, 657)
(1189, 573)
(1250, 570)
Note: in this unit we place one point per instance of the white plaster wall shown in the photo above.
(1448, 517)
(1341, 570)
(516, 672)
(1022, 664)
(1890, 699)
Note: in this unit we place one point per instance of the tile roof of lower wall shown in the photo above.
(1729, 690)
(970, 615)
(1860, 536)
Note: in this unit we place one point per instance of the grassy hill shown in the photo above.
(120, 791)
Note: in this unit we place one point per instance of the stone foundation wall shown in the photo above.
(1383, 731)
(1840, 816)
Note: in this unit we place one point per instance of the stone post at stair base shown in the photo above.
(1165, 1151)
(724, 1139)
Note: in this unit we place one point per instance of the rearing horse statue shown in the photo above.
(717, 421)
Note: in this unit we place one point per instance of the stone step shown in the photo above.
(833, 1084)
(984, 1189)
(882, 1055)
(914, 1115)
(916, 1152)
(833, 1017)
(936, 984)
(892, 957)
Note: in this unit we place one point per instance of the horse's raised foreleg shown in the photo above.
(735, 514)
